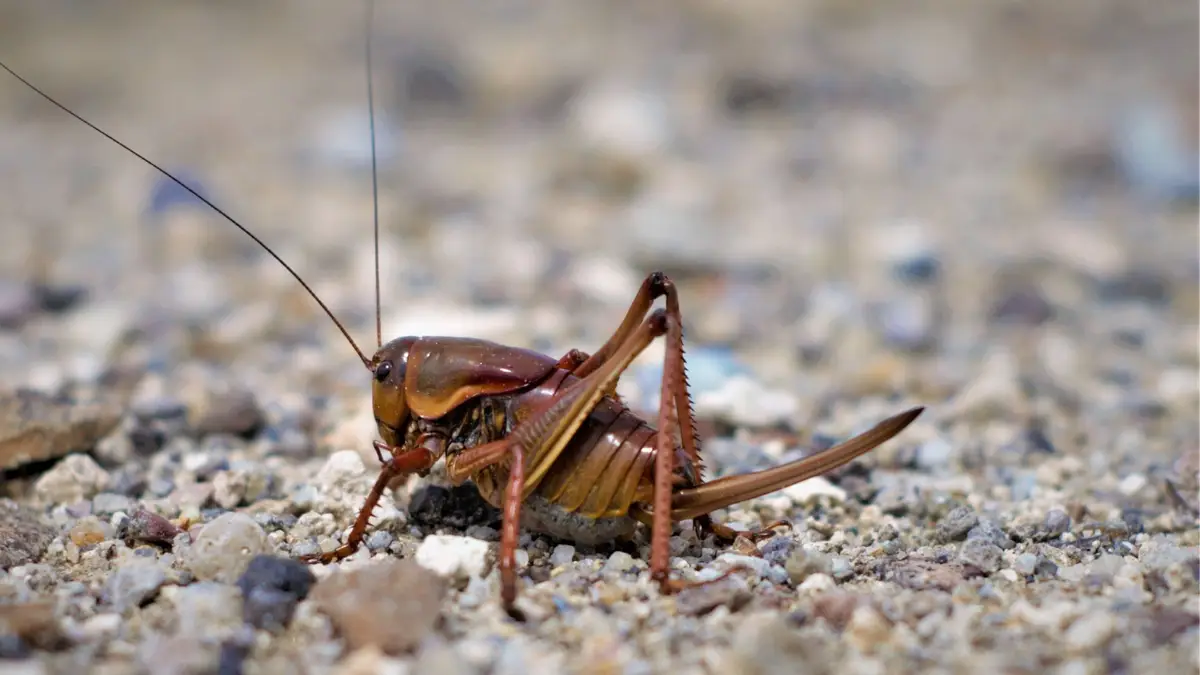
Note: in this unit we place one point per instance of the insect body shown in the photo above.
(545, 439)
(548, 442)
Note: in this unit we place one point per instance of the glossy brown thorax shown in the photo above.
(428, 377)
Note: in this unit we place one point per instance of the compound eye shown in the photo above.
(382, 371)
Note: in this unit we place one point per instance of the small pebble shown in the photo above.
(563, 554)
(804, 492)
(17, 304)
(818, 583)
(1056, 524)
(108, 503)
(89, 531)
(840, 568)
(802, 564)
(618, 562)
(167, 194)
(133, 585)
(981, 554)
(23, 535)
(454, 557)
(1026, 564)
(148, 527)
(236, 413)
(744, 401)
(75, 477)
(225, 547)
(1089, 631)
(341, 468)
(935, 455)
(208, 610)
(271, 587)
(955, 525)
(988, 531)
(379, 540)
(867, 629)
(390, 604)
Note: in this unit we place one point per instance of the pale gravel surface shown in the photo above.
(988, 210)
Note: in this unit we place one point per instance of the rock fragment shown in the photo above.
(390, 604)
(23, 535)
(225, 547)
(271, 589)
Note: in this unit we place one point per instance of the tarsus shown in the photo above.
(214, 207)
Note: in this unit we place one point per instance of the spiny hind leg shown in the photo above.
(674, 412)
(675, 387)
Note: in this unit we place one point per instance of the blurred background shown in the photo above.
(988, 207)
(857, 199)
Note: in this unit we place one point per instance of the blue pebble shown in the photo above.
(167, 194)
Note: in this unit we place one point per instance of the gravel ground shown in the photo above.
(988, 209)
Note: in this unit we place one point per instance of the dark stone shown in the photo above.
(1133, 519)
(55, 299)
(128, 482)
(1045, 569)
(232, 657)
(432, 80)
(745, 94)
(918, 269)
(271, 588)
(12, 647)
(1138, 285)
(167, 194)
(236, 413)
(1023, 306)
(148, 527)
(147, 440)
(459, 507)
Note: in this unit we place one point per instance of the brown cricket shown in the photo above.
(547, 440)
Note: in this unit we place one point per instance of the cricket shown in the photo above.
(546, 439)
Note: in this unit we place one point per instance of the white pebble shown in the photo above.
(101, 626)
(1089, 631)
(339, 468)
(1131, 484)
(454, 557)
(225, 546)
(742, 400)
(619, 561)
(817, 486)
(623, 120)
(818, 582)
(76, 477)
(867, 629)
(563, 554)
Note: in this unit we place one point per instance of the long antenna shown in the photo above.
(214, 207)
(374, 173)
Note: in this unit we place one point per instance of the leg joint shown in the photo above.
(659, 284)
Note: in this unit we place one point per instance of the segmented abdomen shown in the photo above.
(607, 466)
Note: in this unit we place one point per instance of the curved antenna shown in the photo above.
(374, 172)
(197, 195)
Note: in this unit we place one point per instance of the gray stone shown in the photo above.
(956, 524)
